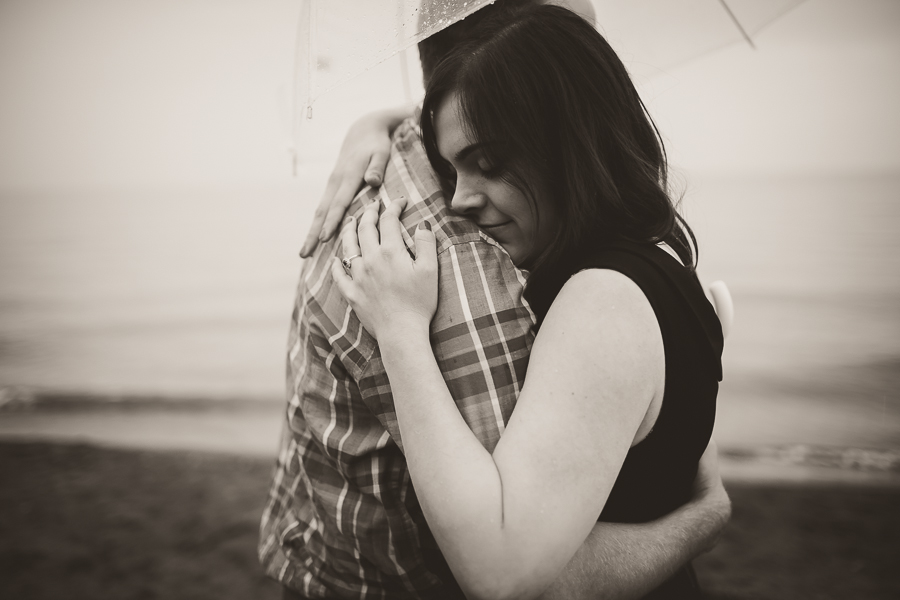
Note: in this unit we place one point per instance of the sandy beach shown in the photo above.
(84, 521)
(149, 497)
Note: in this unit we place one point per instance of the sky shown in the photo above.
(162, 93)
(819, 93)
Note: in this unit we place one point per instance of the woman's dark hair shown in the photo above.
(564, 120)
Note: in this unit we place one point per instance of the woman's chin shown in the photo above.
(519, 257)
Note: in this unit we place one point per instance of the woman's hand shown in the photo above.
(390, 292)
(362, 160)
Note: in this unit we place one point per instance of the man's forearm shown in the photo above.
(393, 117)
(622, 561)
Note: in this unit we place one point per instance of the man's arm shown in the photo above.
(621, 561)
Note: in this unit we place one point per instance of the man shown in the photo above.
(342, 518)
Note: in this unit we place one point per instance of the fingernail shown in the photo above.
(427, 225)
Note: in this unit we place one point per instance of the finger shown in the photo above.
(707, 478)
(368, 229)
(723, 304)
(343, 281)
(349, 241)
(389, 224)
(710, 455)
(377, 167)
(338, 206)
(426, 247)
(312, 236)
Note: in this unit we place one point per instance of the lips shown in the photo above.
(494, 225)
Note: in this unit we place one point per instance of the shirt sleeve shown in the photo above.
(482, 334)
(482, 331)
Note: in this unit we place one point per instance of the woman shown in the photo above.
(543, 141)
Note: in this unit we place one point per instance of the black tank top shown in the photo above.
(658, 472)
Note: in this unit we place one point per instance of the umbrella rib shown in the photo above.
(737, 24)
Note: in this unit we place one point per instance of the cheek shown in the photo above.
(529, 231)
(518, 207)
(532, 224)
(546, 226)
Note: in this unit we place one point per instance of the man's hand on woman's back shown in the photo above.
(361, 161)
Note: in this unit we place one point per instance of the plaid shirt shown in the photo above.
(342, 520)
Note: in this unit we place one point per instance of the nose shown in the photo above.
(467, 200)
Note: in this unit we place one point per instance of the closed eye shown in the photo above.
(489, 170)
(487, 162)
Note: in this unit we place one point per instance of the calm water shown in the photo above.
(188, 292)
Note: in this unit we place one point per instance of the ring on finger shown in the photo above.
(348, 262)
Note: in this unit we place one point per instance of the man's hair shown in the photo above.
(561, 118)
(433, 49)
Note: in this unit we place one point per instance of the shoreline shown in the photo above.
(251, 428)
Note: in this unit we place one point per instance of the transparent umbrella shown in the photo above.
(338, 40)
(651, 36)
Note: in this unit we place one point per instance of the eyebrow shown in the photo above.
(465, 152)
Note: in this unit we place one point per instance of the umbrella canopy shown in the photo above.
(338, 40)
(653, 35)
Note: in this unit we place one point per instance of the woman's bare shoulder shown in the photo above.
(602, 327)
(603, 294)
(603, 319)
